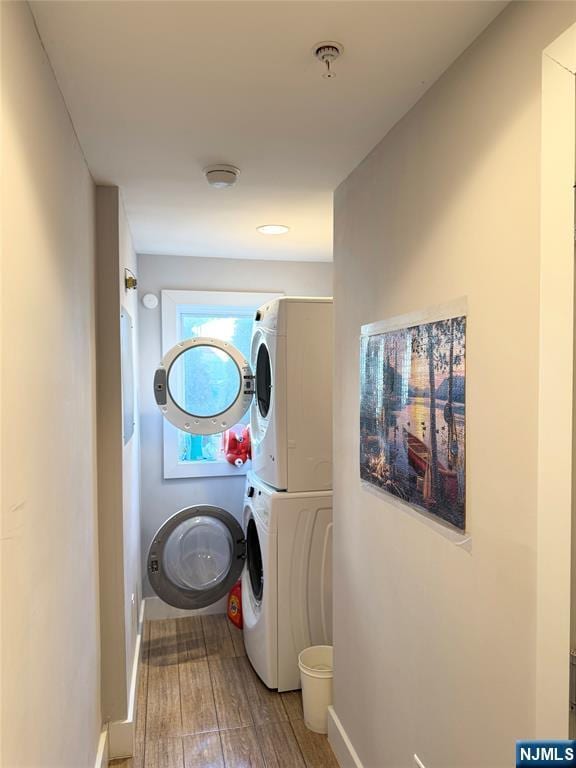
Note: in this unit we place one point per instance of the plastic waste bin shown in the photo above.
(316, 673)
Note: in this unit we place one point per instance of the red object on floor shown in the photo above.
(235, 605)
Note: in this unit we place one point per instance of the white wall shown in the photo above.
(118, 463)
(161, 498)
(50, 645)
(436, 644)
(556, 576)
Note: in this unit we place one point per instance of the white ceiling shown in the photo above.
(158, 90)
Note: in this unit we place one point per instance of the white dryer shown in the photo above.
(291, 417)
(287, 384)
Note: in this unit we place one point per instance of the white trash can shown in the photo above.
(316, 672)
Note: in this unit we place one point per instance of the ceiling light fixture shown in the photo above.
(327, 52)
(221, 176)
(273, 229)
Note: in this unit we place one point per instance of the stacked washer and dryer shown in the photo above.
(283, 550)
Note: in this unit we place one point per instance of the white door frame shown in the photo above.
(556, 395)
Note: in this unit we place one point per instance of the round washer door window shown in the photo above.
(196, 557)
(204, 381)
(198, 553)
(254, 560)
(204, 386)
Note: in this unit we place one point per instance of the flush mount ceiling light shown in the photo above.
(221, 176)
(273, 229)
(327, 52)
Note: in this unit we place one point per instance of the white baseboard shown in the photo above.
(155, 608)
(121, 733)
(102, 751)
(340, 743)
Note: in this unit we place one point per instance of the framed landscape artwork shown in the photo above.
(413, 414)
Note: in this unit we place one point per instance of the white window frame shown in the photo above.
(173, 305)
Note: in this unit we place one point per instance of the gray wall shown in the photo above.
(161, 498)
(435, 644)
(50, 638)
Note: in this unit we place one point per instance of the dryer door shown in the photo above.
(196, 557)
(204, 386)
(263, 377)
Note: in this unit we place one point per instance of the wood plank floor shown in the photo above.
(201, 705)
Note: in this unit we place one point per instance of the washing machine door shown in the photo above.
(254, 565)
(196, 556)
(204, 386)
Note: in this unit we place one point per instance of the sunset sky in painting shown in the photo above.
(419, 371)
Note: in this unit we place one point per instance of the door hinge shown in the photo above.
(160, 386)
(249, 384)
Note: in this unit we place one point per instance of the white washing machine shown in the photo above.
(287, 384)
(293, 586)
(283, 556)
(260, 583)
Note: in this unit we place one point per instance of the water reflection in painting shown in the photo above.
(412, 416)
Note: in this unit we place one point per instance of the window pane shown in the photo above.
(227, 324)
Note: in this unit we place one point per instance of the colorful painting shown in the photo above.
(413, 416)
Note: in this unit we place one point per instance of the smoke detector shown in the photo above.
(221, 176)
(327, 52)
